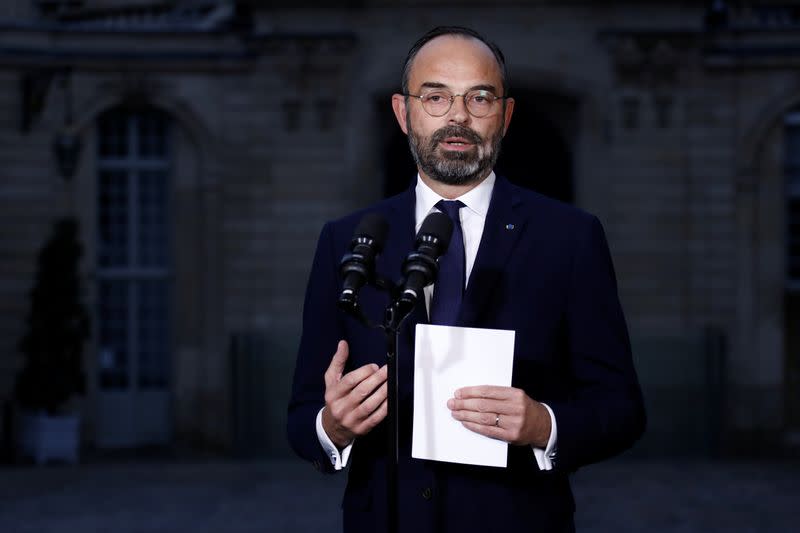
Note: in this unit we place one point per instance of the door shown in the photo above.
(133, 279)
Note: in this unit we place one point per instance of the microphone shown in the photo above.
(358, 264)
(420, 267)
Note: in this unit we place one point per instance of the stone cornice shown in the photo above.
(165, 51)
(644, 56)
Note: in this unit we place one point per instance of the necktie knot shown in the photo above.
(450, 208)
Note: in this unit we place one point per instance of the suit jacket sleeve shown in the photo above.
(322, 329)
(603, 413)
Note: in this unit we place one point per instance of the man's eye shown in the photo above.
(479, 98)
(435, 98)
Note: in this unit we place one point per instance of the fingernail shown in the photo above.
(451, 403)
(457, 393)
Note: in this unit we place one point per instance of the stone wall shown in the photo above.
(275, 133)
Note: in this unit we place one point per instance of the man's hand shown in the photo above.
(503, 413)
(354, 403)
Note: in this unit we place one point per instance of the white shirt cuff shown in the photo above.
(338, 460)
(546, 458)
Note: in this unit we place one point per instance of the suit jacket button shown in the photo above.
(427, 493)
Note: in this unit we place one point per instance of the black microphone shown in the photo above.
(420, 267)
(358, 264)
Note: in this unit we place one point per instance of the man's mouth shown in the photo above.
(456, 143)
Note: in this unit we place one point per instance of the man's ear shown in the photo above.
(399, 107)
(508, 112)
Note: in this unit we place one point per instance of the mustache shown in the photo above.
(455, 131)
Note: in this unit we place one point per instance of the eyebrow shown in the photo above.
(438, 85)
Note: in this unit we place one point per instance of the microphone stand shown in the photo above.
(396, 313)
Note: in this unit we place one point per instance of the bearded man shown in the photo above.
(526, 263)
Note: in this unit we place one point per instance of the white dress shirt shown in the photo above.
(473, 218)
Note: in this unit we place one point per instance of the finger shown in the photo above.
(374, 419)
(489, 431)
(493, 392)
(353, 379)
(367, 385)
(365, 409)
(482, 405)
(335, 369)
(486, 419)
(357, 408)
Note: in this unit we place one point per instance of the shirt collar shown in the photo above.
(476, 200)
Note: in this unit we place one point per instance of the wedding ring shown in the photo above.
(497, 421)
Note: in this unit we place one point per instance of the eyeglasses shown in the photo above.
(438, 103)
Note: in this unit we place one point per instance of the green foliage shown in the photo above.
(57, 326)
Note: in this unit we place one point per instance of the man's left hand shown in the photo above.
(503, 413)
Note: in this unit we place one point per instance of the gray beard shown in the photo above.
(454, 168)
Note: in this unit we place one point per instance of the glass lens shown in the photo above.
(436, 103)
(479, 103)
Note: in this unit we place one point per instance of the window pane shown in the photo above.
(113, 314)
(793, 181)
(152, 223)
(153, 339)
(113, 224)
(794, 271)
(793, 239)
(792, 150)
(113, 135)
(793, 145)
(133, 236)
(793, 215)
(152, 134)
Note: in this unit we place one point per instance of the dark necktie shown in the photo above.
(449, 287)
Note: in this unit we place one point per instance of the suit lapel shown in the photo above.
(400, 241)
(400, 211)
(504, 226)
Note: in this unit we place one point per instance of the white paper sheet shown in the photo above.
(448, 358)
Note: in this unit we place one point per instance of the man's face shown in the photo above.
(457, 148)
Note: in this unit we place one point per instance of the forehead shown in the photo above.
(456, 61)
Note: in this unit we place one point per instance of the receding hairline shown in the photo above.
(463, 37)
(459, 32)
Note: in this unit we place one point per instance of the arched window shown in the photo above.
(793, 200)
(792, 282)
(133, 272)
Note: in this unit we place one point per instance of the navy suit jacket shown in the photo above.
(543, 269)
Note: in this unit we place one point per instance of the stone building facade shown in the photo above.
(204, 144)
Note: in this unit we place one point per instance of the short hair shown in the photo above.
(454, 30)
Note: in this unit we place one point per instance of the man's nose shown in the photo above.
(458, 110)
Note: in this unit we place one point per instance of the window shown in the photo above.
(793, 201)
(132, 252)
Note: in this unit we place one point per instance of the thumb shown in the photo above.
(336, 368)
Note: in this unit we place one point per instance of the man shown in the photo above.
(523, 263)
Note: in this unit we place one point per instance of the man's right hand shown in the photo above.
(355, 402)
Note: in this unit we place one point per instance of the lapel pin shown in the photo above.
(509, 226)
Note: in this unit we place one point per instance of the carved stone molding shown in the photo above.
(135, 89)
(314, 71)
(648, 58)
(646, 68)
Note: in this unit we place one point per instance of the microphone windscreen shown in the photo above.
(375, 226)
(438, 224)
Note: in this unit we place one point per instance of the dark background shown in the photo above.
(200, 146)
